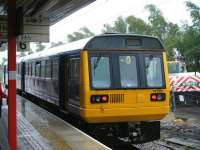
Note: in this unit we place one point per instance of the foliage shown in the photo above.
(83, 32)
(190, 43)
(130, 24)
(39, 47)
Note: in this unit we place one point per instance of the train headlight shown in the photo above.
(99, 98)
(157, 96)
(153, 97)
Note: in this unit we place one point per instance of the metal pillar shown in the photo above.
(12, 137)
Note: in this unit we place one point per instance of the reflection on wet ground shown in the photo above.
(3, 133)
(61, 135)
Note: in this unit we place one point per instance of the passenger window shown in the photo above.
(33, 68)
(17, 68)
(26, 68)
(48, 68)
(30, 68)
(55, 69)
(38, 69)
(43, 69)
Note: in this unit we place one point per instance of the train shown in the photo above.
(117, 82)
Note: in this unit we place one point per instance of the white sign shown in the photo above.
(23, 46)
(36, 29)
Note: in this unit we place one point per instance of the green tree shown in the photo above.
(83, 32)
(190, 42)
(137, 25)
(39, 46)
(129, 24)
(157, 22)
(195, 14)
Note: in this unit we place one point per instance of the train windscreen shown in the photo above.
(126, 70)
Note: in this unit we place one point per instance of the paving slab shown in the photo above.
(27, 137)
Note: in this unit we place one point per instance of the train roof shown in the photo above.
(77, 45)
(102, 42)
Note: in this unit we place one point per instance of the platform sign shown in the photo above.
(23, 46)
(36, 29)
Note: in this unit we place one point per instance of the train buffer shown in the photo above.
(38, 129)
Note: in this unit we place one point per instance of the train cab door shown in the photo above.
(73, 79)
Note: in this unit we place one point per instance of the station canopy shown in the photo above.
(55, 10)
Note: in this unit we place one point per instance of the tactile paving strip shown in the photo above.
(27, 137)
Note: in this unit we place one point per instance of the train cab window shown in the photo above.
(55, 69)
(153, 68)
(100, 71)
(43, 69)
(128, 71)
(48, 69)
(38, 69)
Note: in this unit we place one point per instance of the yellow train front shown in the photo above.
(124, 78)
(117, 82)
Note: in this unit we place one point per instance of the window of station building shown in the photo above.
(55, 68)
(43, 69)
(48, 68)
(38, 69)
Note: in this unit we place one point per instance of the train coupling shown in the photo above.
(144, 132)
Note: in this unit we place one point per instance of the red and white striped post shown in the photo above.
(12, 136)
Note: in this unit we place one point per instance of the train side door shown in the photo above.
(74, 80)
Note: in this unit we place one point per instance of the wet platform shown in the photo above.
(59, 134)
(3, 133)
(27, 137)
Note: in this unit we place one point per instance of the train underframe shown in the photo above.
(134, 133)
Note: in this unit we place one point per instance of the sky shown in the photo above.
(95, 15)
(106, 11)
